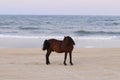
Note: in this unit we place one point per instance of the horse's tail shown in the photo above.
(46, 45)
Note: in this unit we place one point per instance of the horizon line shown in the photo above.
(66, 14)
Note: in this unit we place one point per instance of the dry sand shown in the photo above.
(89, 64)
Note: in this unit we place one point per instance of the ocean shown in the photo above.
(58, 26)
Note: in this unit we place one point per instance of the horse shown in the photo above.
(66, 45)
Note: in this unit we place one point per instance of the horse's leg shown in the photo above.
(70, 54)
(47, 57)
(65, 58)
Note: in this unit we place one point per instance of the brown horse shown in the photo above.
(60, 46)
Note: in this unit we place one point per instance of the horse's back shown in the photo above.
(54, 41)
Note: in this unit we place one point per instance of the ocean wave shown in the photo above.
(28, 28)
(112, 23)
(116, 23)
(4, 27)
(18, 36)
(84, 32)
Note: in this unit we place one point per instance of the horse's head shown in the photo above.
(69, 40)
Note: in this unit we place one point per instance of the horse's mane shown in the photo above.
(71, 40)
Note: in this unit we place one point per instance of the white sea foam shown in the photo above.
(61, 37)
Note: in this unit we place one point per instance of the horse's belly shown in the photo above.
(58, 50)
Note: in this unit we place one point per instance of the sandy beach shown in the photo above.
(89, 64)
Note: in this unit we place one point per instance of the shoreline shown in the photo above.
(38, 43)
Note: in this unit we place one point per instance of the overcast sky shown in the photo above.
(60, 7)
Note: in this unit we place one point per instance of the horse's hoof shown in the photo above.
(47, 63)
(65, 64)
(71, 63)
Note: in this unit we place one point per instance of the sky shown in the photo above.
(60, 7)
